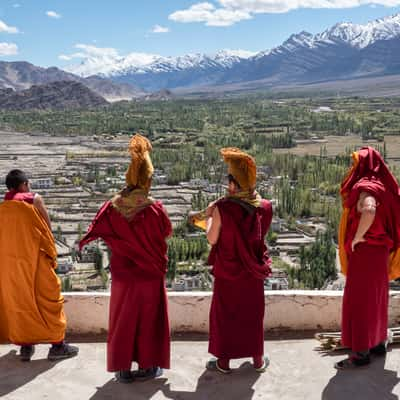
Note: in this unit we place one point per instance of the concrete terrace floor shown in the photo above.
(297, 371)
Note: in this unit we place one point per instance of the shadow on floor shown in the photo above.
(14, 373)
(210, 386)
(370, 383)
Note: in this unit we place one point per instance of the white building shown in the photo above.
(64, 265)
(42, 183)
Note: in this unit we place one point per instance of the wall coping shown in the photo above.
(267, 293)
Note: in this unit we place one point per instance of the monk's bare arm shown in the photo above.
(214, 226)
(39, 204)
(367, 207)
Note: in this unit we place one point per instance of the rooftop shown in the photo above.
(297, 371)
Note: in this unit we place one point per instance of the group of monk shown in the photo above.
(136, 227)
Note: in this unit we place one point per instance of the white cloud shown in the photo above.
(159, 29)
(230, 12)
(16, 5)
(207, 13)
(6, 28)
(8, 49)
(281, 6)
(90, 50)
(53, 14)
(64, 57)
(95, 60)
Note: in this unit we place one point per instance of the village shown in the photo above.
(77, 174)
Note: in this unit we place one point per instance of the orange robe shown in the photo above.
(31, 305)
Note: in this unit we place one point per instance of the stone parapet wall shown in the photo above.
(289, 310)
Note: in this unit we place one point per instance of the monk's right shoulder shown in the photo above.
(266, 205)
(104, 209)
(225, 203)
(159, 208)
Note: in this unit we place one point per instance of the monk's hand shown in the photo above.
(355, 242)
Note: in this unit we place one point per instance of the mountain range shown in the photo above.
(21, 75)
(344, 51)
(60, 95)
(351, 58)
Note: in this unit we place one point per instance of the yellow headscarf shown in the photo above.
(141, 168)
(135, 196)
(241, 166)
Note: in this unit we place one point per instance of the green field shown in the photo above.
(302, 148)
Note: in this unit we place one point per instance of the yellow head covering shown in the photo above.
(141, 168)
(241, 166)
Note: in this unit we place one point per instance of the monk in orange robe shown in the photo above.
(236, 229)
(31, 305)
(369, 254)
(135, 228)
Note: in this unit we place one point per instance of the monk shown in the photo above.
(236, 229)
(368, 243)
(31, 305)
(135, 228)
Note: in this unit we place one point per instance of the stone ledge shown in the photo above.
(289, 310)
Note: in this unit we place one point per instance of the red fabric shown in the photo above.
(371, 164)
(379, 233)
(365, 299)
(21, 196)
(240, 265)
(138, 324)
(372, 176)
(241, 251)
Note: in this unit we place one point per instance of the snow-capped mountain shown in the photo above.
(343, 51)
(361, 36)
(141, 63)
(111, 64)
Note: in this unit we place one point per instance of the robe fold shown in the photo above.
(31, 305)
(367, 268)
(138, 322)
(240, 264)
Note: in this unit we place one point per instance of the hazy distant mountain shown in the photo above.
(22, 75)
(55, 95)
(154, 72)
(162, 95)
(344, 51)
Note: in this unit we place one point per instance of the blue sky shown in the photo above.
(40, 31)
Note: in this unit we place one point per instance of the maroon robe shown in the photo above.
(240, 264)
(365, 298)
(138, 324)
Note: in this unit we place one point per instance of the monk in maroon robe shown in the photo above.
(369, 232)
(135, 228)
(236, 229)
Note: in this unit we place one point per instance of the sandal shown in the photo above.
(264, 366)
(353, 362)
(147, 373)
(26, 352)
(379, 350)
(212, 365)
(124, 376)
